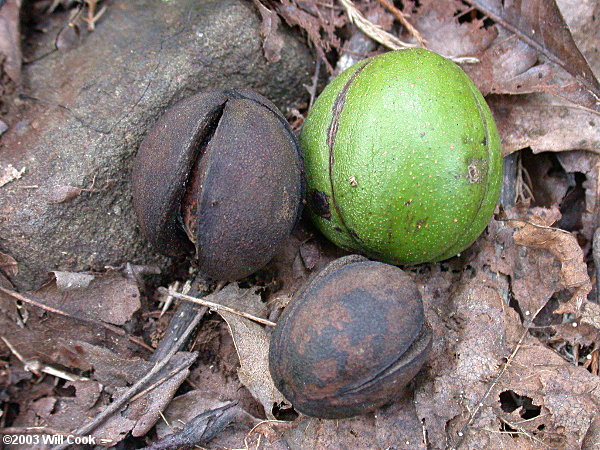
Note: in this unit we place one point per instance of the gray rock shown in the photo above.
(95, 103)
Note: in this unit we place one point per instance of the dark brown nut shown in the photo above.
(350, 340)
(220, 174)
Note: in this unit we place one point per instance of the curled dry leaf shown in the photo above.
(60, 194)
(72, 280)
(9, 173)
(8, 265)
(564, 247)
(251, 342)
(319, 20)
(272, 41)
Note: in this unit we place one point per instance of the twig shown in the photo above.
(217, 307)
(200, 429)
(403, 20)
(596, 256)
(523, 431)
(32, 301)
(508, 194)
(92, 16)
(315, 81)
(167, 376)
(37, 367)
(129, 393)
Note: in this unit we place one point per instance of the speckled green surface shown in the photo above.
(402, 153)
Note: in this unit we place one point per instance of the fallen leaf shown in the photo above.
(508, 66)
(566, 249)
(60, 194)
(438, 23)
(72, 280)
(251, 343)
(543, 123)
(393, 426)
(272, 41)
(184, 408)
(319, 22)
(540, 24)
(110, 368)
(110, 297)
(9, 173)
(8, 265)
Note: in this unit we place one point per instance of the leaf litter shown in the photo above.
(515, 358)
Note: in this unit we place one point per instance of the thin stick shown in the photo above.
(217, 307)
(37, 367)
(403, 20)
(153, 386)
(114, 406)
(315, 81)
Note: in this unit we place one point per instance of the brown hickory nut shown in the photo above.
(220, 174)
(350, 340)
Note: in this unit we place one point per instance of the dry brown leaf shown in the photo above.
(466, 359)
(439, 25)
(34, 333)
(251, 343)
(272, 41)
(393, 426)
(565, 248)
(540, 24)
(8, 265)
(509, 66)
(318, 20)
(544, 123)
(568, 396)
(110, 368)
(186, 407)
(110, 297)
(9, 173)
(60, 194)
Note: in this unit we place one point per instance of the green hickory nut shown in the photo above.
(403, 159)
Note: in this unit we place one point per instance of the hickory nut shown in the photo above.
(402, 158)
(220, 175)
(350, 340)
